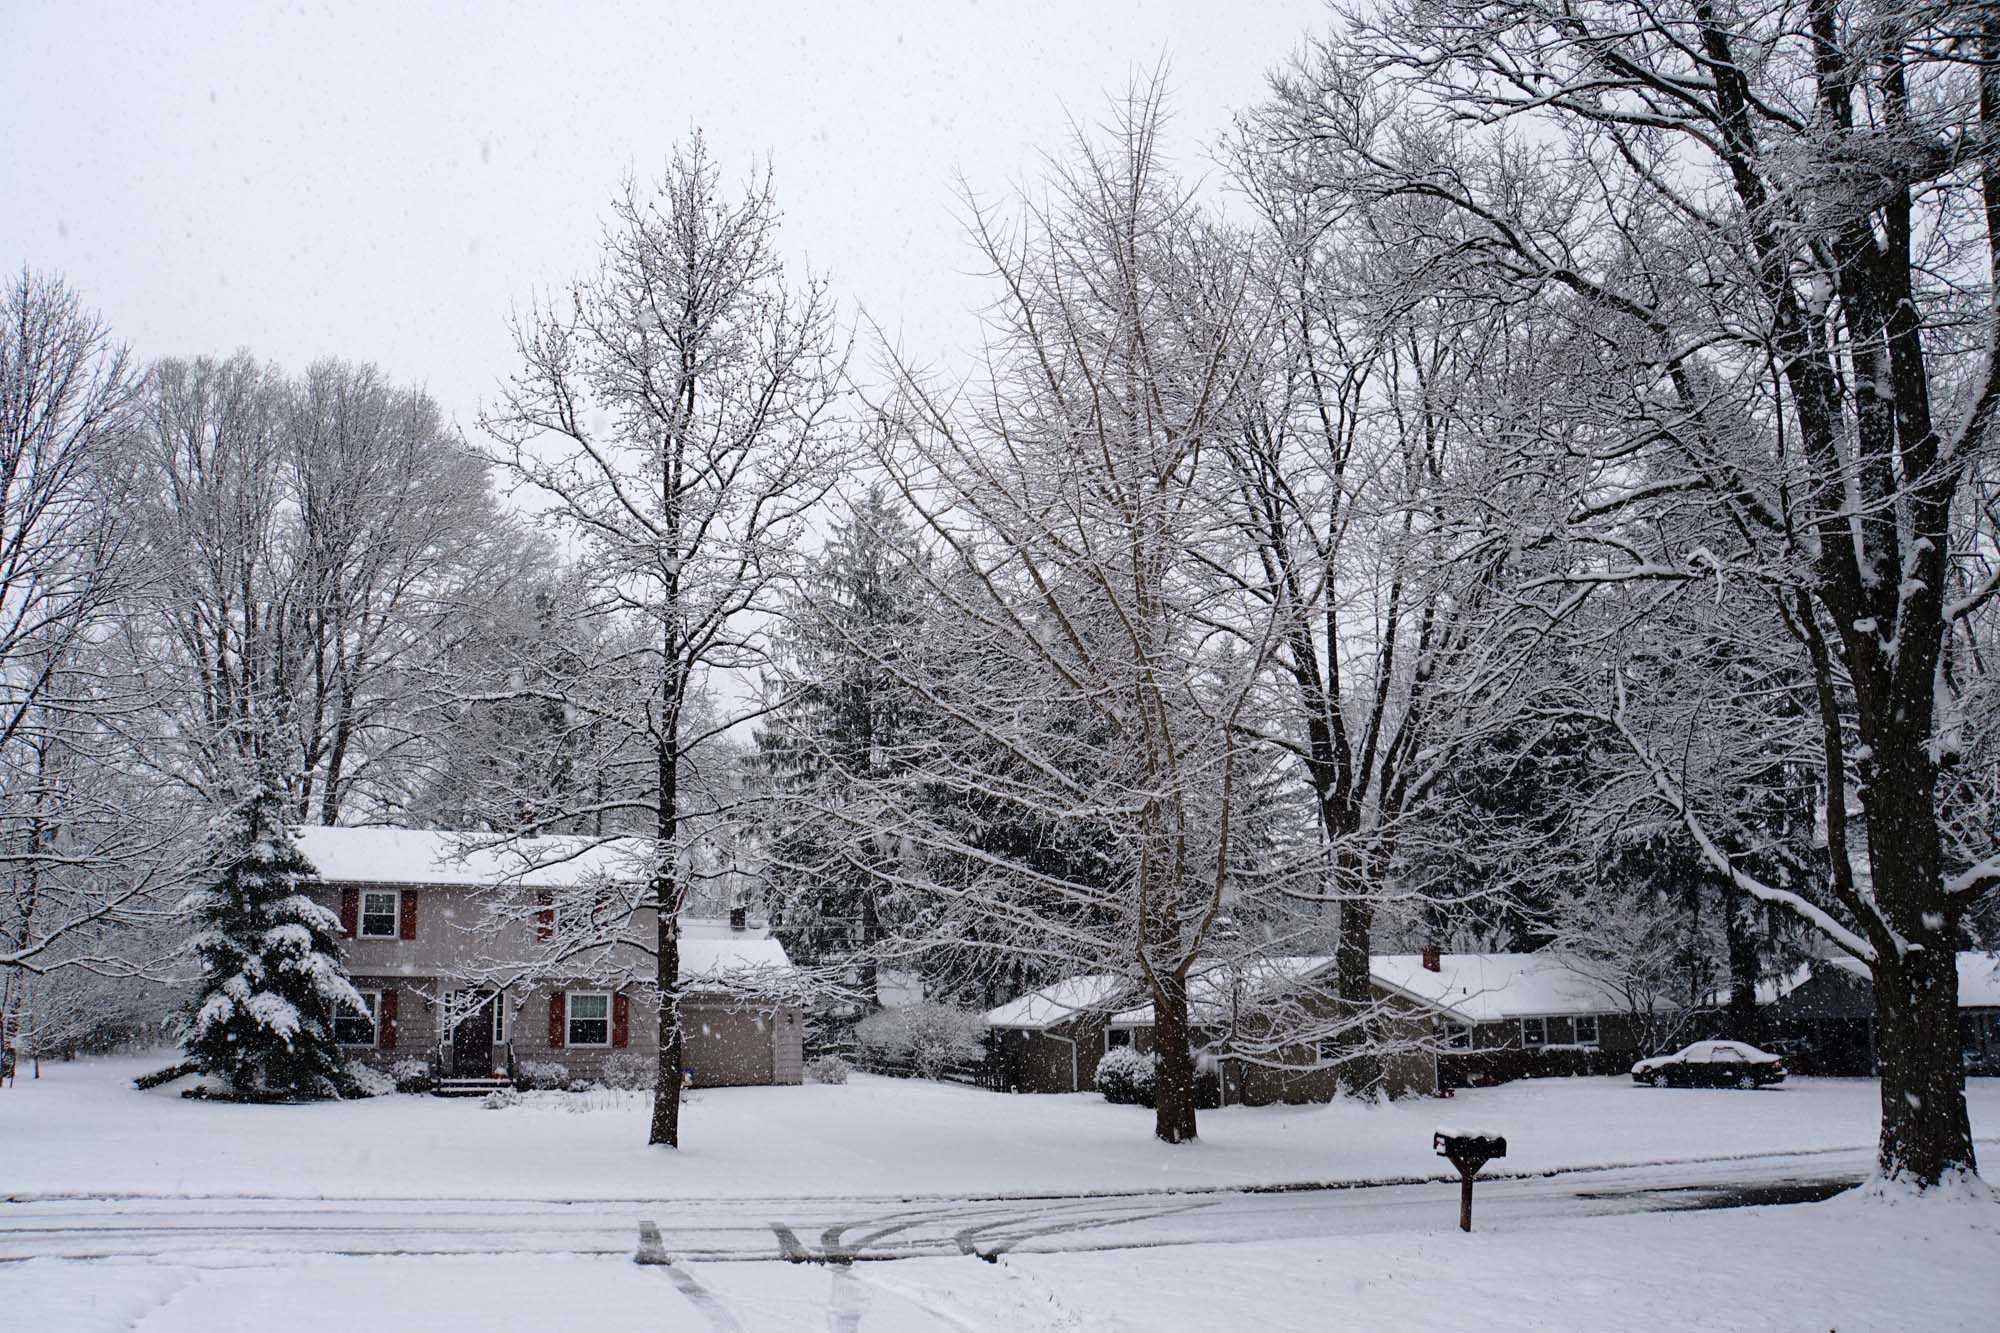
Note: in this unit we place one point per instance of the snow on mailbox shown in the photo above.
(1468, 1150)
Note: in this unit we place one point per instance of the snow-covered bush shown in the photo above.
(1127, 1078)
(630, 1072)
(826, 1069)
(412, 1075)
(929, 1037)
(542, 1076)
(362, 1081)
(501, 1100)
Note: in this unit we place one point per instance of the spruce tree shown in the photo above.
(272, 978)
(841, 740)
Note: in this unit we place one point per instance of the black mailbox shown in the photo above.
(1468, 1150)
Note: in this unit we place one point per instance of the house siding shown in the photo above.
(727, 1043)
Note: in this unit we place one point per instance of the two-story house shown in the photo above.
(450, 974)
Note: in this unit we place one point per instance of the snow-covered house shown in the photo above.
(1051, 1040)
(1524, 1003)
(1823, 1014)
(445, 977)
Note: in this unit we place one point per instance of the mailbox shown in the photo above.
(1468, 1150)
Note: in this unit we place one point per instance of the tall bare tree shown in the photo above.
(675, 417)
(1098, 665)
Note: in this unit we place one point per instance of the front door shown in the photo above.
(472, 1039)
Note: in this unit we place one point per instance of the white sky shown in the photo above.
(385, 183)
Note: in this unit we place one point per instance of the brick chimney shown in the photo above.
(1433, 959)
(739, 918)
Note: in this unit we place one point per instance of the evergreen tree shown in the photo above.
(840, 740)
(272, 979)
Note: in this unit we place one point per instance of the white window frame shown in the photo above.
(1458, 1036)
(570, 1020)
(500, 1016)
(1541, 1039)
(1110, 1045)
(372, 1001)
(1576, 1029)
(395, 915)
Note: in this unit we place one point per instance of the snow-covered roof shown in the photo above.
(1979, 980)
(1488, 987)
(437, 856)
(1210, 992)
(1978, 977)
(1060, 1002)
(742, 959)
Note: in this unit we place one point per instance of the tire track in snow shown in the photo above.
(652, 1253)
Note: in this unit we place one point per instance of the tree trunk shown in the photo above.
(1741, 1020)
(1360, 1069)
(1173, 1118)
(1926, 1133)
(666, 1126)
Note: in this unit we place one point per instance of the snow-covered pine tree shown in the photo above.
(272, 979)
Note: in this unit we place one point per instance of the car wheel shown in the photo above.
(1746, 1081)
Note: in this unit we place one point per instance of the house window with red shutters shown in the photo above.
(360, 1027)
(589, 1018)
(381, 914)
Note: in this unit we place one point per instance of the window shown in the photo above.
(1586, 1029)
(499, 1003)
(1534, 1032)
(357, 1027)
(1458, 1036)
(378, 915)
(1114, 1037)
(589, 1018)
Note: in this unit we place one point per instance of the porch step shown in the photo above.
(469, 1087)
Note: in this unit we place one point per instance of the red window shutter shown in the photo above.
(350, 912)
(621, 1020)
(545, 915)
(406, 916)
(556, 1020)
(387, 1041)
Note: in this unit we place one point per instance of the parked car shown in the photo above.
(1712, 1064)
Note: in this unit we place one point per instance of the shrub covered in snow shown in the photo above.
(826, 1069)
(927, 1036)
(630, 1072)
(363, 1081)
(1127, 1078)
(501, 1100)
(541, 1076)
(412, 1075)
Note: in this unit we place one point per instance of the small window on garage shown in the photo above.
(378, 915)
(1117, 1037)
(358, 1027)
(1534, 1032)
(1586, 1029)
(589, 1018)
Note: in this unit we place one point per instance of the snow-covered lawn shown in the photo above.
(1844, 1265)
(82, 1128)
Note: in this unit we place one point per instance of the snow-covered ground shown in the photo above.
(82, 1129)
(410, 1212)
(1841, 1265)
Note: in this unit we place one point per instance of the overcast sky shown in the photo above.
(385, 183)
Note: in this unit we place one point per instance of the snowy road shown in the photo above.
(842, 1230)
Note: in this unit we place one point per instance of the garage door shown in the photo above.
(726, 1048)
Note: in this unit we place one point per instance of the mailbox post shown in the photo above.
(1468, 1150)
